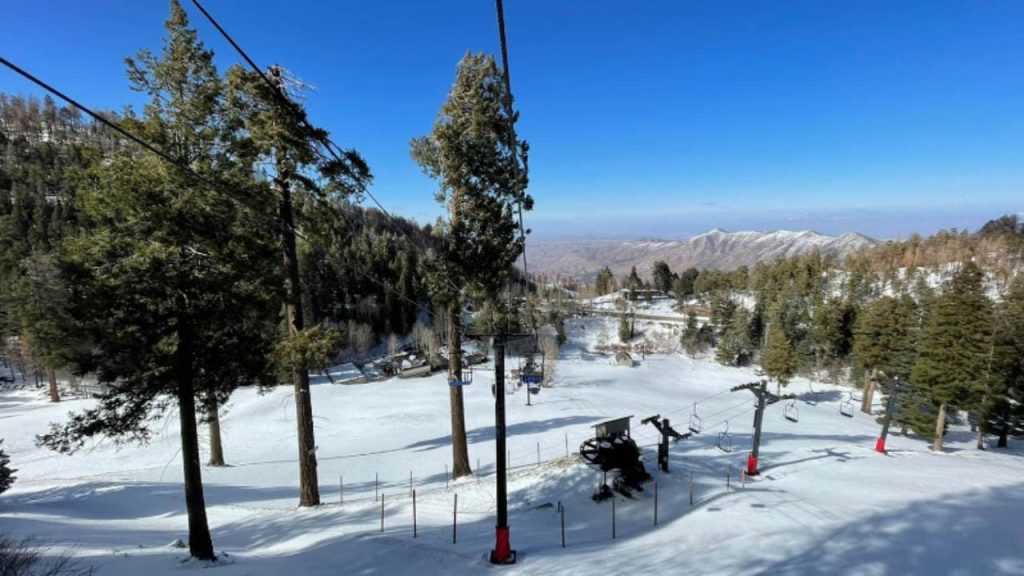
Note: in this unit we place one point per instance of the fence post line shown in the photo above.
(728, 476)
(382, 513)
(566, 444)
(743, 478)
(538, 453)
(563, 525)
(376, 478)
(691, 488)
(455, 519)
(655, 503)
(613, 516)
(413, 513)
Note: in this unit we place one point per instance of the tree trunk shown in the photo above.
(460, 450)
(309, 490)
(981, 436)
(54, 387)
(940, 426)
(200, 544)
(216, 447)
(868, 398)
(1004, 431)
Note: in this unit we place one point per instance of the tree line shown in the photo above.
(936, 320)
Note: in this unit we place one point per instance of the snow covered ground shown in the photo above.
(825, 503)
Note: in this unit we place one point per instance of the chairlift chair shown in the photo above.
(695, 423)
(465, 379)
(724, 440)
(811, 397)
(532, 373)
(791, 412)
(846, 407)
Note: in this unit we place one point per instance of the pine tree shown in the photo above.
(482, 180)
(885, 341)
(1002, 408)
(778, 359)
(271, 129)
(605, 282)
(662, 276)
(171, 291)
(690, 339)
(953, 355)
(7, 476)
(625, 329)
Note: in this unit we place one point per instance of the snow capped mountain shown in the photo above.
(714, 249)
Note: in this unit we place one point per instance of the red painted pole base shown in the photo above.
(880, 445)
(503, 552)
(751, 465)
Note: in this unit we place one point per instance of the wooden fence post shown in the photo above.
(455, 519)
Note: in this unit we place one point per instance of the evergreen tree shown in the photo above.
(778, 359)
(832, 333)
(625, 329)
(482, 179)
(691, 338)
(682, 287)
(953, 355)
(605, 282)
(1001, 409)
(632, 283)
(735, 346)
(269, 129)
(168, 276)
(884, 341)
(662, 276)
(7, 476)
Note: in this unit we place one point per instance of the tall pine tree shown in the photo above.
(953, 356)
(169, 276)
(482, 180)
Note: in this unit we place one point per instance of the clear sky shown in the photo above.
(652, 118)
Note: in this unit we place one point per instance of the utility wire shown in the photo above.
(513, 143)
(276, 224)
(314, 134)
(163, 155)
(701, 401)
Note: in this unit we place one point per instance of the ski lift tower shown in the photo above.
(764, 399)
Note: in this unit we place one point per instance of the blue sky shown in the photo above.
(655, 118)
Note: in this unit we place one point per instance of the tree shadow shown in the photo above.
(974, 533)
(486, 433)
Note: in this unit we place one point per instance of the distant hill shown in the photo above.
(715, 249)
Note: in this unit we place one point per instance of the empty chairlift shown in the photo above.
(695, 423)
(846, 407)
(790, 412)
(724, 440)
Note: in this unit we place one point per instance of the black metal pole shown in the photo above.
(890, 407)
(762, 394)
(502, 552)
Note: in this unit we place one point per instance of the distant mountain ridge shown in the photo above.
(716, 249)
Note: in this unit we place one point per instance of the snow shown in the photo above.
(826, 503)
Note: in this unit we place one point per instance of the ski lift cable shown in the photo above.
(701, 401)
(729, 409)
(731, 417)
(273, 223)
(325, 141)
